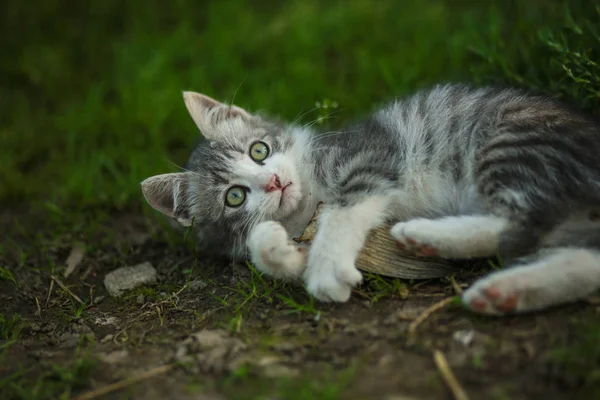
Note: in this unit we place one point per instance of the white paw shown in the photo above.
(420, 237)
(504, 292)
(331, 278)
(559, 276)
(273, 253)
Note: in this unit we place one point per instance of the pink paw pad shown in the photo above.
(492, 298)
(509, 304)
(492, 293)
(423, 250)
(478, 304)
(427, 250)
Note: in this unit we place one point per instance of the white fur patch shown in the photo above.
(460, 237)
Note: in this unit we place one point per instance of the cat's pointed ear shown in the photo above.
(208, 112)
(168, 193)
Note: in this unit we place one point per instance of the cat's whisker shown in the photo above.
(310, 144)
(302, 115)
(237, 89)
(178, 166)
(310, 124)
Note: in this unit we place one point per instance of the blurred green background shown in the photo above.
(91, 91)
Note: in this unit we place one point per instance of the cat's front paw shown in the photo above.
(273, 253)
(329, 278)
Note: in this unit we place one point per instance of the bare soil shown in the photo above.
(212, 331)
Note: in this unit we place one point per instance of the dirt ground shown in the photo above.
(212, 331)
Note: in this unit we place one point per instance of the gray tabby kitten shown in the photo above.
(463, 172)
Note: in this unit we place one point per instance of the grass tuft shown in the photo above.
(58, 382)
(576, 358)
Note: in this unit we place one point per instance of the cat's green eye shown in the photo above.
(259, 151)
(235, 196)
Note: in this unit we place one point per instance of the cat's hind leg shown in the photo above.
(273, 253)
(557, 276)
(453, 237)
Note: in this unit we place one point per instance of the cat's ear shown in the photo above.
(168, 193)
(208, 112)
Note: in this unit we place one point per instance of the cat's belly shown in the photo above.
(434, 194)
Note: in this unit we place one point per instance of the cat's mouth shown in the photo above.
(282, 196)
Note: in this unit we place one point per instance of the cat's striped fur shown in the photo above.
(464, 172)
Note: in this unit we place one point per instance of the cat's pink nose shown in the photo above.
(274, 184)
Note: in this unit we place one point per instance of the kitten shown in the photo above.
(463, 173)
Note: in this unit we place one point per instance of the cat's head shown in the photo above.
(244, 171)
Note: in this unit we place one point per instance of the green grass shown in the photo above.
(43, 379)
(57, 382)
(10, 329)
(240, 299)
(576, 358)
(7, 275)
(87, 116)
(329, 385)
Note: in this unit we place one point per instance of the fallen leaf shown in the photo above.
(74, 259)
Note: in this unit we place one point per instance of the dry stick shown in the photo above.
(440, 304)
(125, 382)
(457, 289)
(39, 308)
(49, 292)
(66, 289)
(448, 376)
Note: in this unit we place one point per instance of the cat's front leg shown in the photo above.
(273, 253)
(341, 233)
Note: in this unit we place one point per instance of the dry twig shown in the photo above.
(66, 289)
(39, 308)
(442, 365)
(125, 382)
(457, 289)
(437, 306)
(49, 291)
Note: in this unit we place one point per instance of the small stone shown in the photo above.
(209, 339)
(197, 284)
(181, 353)
(373, 333)
(35, 327)
(105, 320)
(98, 300)
(127, 278)
(140, 299)
(278, 371)
(285, 347)
(114, 357)
(107, 338)
(464, 337)
(263, 316)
